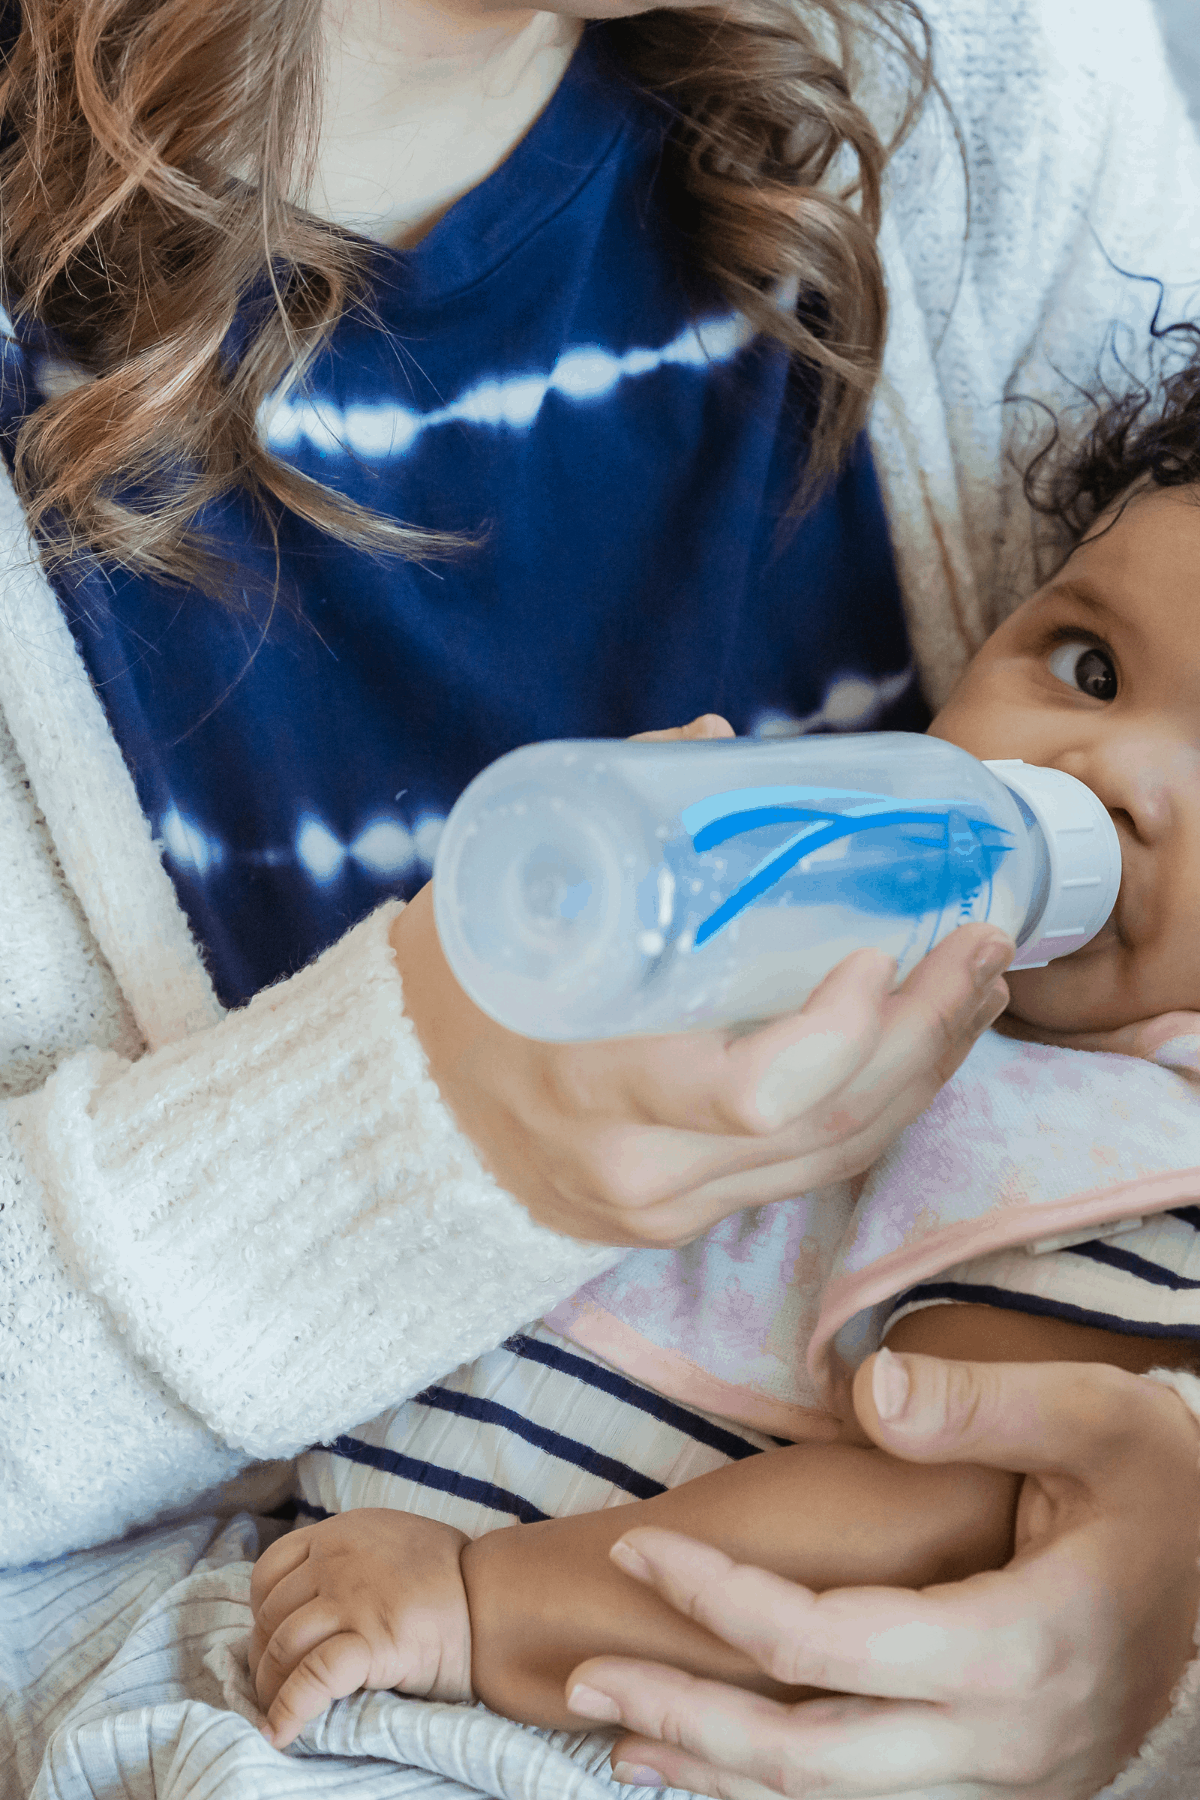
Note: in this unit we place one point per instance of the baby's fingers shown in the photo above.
(337, 1666)
(303, 1630)
(278, 1560)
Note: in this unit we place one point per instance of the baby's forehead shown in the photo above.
(1136, 571)
(1167, 502)
(1151, 530)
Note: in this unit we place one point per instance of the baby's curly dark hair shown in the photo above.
(1149, 433)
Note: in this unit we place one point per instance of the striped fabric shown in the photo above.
(541, 1428)
(1145, 1282)
(536, 1429)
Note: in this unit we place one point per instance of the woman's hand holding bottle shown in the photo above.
(653, 1140)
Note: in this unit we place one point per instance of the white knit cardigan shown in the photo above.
(223, 1238)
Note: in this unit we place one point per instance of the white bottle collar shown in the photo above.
(1085, 859)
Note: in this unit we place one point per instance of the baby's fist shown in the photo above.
(369, 1598)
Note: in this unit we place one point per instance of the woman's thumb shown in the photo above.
(1028, 1417)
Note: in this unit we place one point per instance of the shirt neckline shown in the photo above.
(572, 136)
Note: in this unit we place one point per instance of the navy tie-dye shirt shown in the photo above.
(624, 457)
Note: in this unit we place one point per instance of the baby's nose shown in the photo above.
(1148, 782)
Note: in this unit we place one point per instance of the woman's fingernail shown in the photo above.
(636, 1775)
(991, 961)
(593, 1704)
(889, 1385)
(631, 1560)
(267, 1732)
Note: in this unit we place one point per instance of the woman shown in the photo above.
(238, 1234)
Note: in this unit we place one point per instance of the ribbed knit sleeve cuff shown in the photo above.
(1167, 1766)
(281, 1213)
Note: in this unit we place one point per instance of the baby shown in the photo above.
(1098, 674)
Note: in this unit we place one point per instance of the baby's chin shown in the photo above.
(1073, 994)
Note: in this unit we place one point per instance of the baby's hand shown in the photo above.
(369, 1598)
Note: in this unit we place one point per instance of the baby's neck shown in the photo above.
(422, 101)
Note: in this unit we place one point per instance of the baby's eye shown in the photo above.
(1086, 667)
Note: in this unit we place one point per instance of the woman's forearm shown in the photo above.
(290, 1180)
(545, 1597)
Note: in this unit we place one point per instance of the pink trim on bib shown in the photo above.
(672, 1373)
(1025, 1142)
(848, 1295)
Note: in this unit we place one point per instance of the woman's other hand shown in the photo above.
(652, 1140)
(1039, 1680)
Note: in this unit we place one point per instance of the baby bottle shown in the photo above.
(596, 888)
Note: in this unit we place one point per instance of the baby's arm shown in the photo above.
(385, 1599)
(544, 1598)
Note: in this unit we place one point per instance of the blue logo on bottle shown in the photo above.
(914, 859)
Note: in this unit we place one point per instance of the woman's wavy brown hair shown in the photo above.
(152, 147)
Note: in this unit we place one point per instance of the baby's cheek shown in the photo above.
(1170, 981)
(1077, 993)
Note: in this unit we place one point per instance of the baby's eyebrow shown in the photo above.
(1087, 595)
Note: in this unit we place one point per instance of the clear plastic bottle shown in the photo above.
(597, 888)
